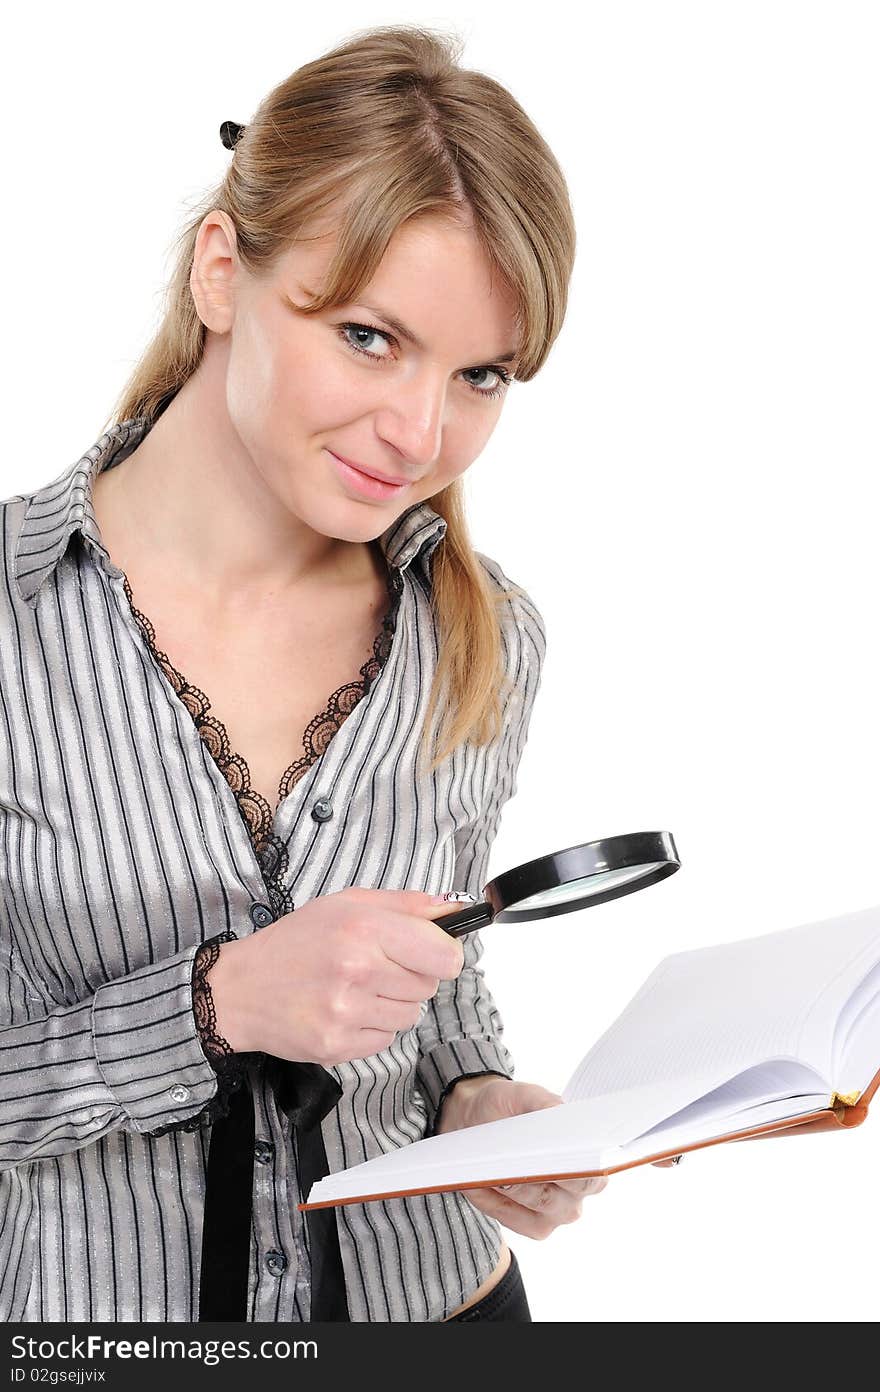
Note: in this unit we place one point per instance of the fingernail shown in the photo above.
(456, 896)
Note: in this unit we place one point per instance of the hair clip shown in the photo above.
(230, 133)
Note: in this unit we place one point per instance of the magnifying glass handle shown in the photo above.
(466, 920)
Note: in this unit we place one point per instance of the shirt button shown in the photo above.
(179, 1093)
(260, 915)
(264, 1151)
(276, 1263)
(322, 810)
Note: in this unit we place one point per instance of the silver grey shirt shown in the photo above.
(123, 847)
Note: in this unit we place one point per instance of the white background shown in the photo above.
(688, 490)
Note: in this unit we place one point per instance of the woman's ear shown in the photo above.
(215, 271)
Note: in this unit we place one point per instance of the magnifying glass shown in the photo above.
(565, 881)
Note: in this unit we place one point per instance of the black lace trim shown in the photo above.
(218, 1051)
(258, 816)
(271, 852)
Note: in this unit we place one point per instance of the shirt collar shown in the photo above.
(64, 506)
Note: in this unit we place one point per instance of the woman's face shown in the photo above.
(300, 388)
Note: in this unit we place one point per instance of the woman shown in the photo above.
(221, 969)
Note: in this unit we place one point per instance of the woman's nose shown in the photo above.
(417, 412)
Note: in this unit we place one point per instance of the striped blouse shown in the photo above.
(129, 837)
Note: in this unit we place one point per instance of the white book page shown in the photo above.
(764, 1086)
(719, 1010)
(567, 1138)
(711, 1126)
(512, 1145)
(856, 1048)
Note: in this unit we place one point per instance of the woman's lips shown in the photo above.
(365, 484)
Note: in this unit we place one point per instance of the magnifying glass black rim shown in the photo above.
(654, 848)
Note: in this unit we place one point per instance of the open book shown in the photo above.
(774, 1035)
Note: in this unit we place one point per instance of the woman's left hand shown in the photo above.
(532, 1209)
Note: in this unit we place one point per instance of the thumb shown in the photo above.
(410, 901)
(528, 1097)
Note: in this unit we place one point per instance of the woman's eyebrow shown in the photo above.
(413, 338)
(394, 323)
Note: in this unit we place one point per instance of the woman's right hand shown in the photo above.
(337, 979)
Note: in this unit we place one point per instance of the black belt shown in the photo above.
(306, 1093)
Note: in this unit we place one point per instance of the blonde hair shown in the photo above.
(388, 127)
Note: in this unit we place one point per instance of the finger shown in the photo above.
(545, 1197)
(397, 983)
(515, 1216)
(665, 1164)
(590, 1184)
(404, 901)
(532, 1097)
(421, 945)
(381, 1013)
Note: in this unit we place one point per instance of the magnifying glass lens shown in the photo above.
(583, 888)
(573, 878)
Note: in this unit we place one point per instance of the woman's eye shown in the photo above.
(361, 334)
(481, 386)
(369, 332)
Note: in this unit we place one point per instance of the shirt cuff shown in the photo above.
(147, 1043)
